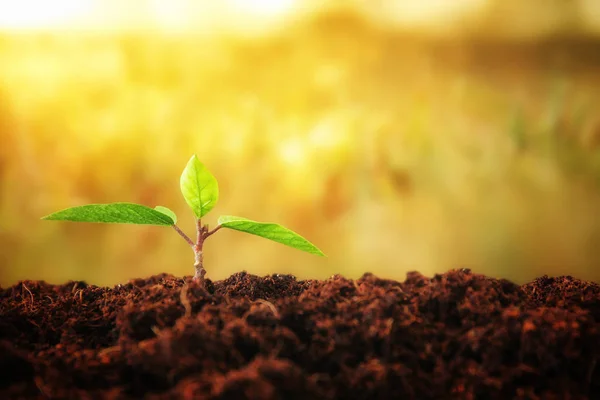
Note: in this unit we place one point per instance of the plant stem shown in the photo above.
(183, 235)
(213, 231)
(199, 264)
(199, 238)
(202, 233)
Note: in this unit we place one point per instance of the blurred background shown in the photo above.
(396, 135)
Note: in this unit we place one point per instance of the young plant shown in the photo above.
(201, 192)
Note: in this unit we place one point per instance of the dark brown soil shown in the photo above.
(454, 336)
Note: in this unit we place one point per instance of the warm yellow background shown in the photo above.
(395, 135)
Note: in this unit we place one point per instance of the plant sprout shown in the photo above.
(201, 192)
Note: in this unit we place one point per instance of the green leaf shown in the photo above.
(117, 213)
(167, 212)
(270, 231)
(199, 187)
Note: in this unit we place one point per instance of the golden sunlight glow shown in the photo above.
(192, 15)
(328, 134)
(263, 8)
(179, 15)
(27, 14)
(169, 14)
(326, 113)
(293, 152)
(427, 12)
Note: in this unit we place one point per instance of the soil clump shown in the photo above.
(458, 335)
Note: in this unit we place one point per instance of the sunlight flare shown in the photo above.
(35, 14)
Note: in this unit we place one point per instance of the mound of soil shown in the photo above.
(457, 335)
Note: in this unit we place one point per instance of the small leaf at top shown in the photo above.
(199, 187)
(116, 213)
(270, 231)
(167, 212)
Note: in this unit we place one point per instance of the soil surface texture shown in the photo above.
(458, 335)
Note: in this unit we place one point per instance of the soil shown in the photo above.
(458, 335)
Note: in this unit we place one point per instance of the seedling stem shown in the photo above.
(202, 233)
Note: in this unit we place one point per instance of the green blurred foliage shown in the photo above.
(390, 151)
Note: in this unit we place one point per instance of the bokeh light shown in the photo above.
(396, 135)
